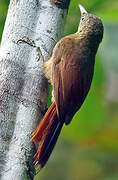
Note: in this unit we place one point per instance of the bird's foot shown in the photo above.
(32, 44)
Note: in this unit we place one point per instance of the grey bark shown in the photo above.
(23, 87)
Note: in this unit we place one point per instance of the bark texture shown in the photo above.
(23, 87)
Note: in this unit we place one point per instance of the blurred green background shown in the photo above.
(87, 149)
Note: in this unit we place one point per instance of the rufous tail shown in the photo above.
(46, 135)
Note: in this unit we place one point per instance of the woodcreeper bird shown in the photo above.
(70, 71)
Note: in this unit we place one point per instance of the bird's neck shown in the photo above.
(88, 41)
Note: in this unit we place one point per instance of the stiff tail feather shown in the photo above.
(46, 135)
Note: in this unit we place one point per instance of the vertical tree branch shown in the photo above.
(23, 87)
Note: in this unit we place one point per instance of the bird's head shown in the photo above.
(90, 24)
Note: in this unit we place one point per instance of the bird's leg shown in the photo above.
(32, 43)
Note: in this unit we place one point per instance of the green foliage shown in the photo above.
(3, 12)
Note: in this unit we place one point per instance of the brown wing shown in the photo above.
(71, 83)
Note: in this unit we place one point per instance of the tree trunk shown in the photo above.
(23, 87)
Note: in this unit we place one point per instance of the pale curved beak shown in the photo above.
(82, 9)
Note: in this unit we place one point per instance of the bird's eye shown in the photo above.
(82, 18)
